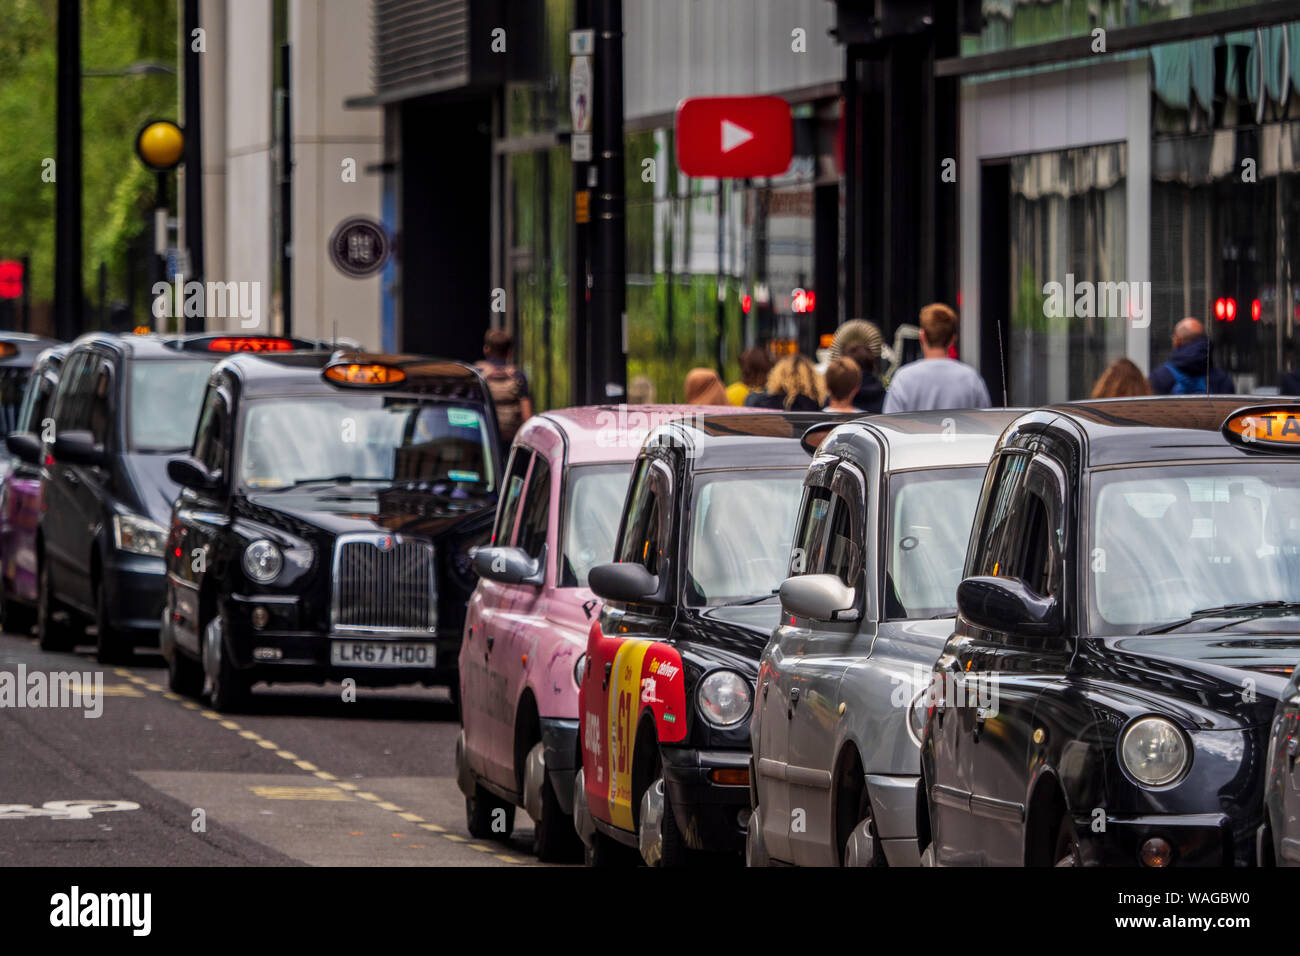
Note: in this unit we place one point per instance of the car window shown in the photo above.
(930, 517)
(593, 505)
(641, 532)
(843, 556)
(212, 439)
(534, 518)
(100, 402)
(165, 396)
(521, 457)
(73, 386)
(37, 404)
(809, 552)
(13, 390)
(1000, 519)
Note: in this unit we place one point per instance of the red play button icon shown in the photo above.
(734, 136)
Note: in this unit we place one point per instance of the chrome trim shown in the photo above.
(386, 601)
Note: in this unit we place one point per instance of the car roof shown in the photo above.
(29, 348)
(278, 373)
(764, 439)
(614, 433)
(933, 439)
(1155, 428)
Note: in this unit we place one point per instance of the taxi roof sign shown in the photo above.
(372, 374)
(1265, 426)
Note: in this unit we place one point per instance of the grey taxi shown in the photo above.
(879, 546)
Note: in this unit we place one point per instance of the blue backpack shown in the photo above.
(1185, 384)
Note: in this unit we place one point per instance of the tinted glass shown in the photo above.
(164, 401)
(520, 458)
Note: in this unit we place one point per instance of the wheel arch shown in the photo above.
(848, 784)
(1044, 810)
(528, 731)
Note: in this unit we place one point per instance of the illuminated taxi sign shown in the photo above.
(360, 374)
(1265, 426)
(8, 350)
(249, 343)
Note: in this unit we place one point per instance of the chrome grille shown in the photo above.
(384, 583)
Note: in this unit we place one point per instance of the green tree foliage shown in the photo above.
(117, 190)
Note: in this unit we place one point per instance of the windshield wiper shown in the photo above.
(1223, 610)
(753, 600)
(336, 480)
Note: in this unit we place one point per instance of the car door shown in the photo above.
(817, 672)
(1003, 673)
(197, 520)
(59, 524)
(610, 697)
(92, 493)
(486, 712)
(776, 671)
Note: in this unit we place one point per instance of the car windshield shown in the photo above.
(592, 508)
(930, 516)
(742, 528)
(1168, 542)
(360, 437)
(164, 403)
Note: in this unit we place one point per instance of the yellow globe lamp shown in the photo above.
(160, 144)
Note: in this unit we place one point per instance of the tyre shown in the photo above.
(554, 838)
(16, 617)
(657, 822)
(605, 851)
(184, 676)
(112, 646)
(227, 687)
(862, 848)
(52, 634)
(482, 818)
(1067, 845)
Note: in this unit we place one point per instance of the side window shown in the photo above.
(508, 513)
(66, 405)
(641, 531)
(810, 535)
(99, 402)
(212, 439)
(536, 512)
(842, 553)
(36, 403)
(1037, 558)
(994, 552)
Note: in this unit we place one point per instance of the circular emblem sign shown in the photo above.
(359, 247)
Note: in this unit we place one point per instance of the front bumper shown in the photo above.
(280, 654)
(1197, 839)
(134, 590)
(711, 816)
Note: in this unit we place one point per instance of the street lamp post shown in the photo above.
(67, 180)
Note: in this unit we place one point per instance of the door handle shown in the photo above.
(794, 702)
(981, 714)
(609, 666)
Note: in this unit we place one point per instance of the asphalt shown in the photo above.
(302, 777)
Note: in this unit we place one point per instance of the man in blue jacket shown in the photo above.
(1189, 371)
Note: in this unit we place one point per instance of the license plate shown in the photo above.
(382, 654)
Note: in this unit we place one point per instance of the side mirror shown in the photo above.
(1007, 604)
(508, 565)
(25, 446)
(622, 581)
(822, 597)
(190, 473)
(78, 448)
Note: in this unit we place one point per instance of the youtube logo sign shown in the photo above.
(734, 137)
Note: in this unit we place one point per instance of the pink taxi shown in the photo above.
(527, 622)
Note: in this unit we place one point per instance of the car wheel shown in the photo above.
(52, 635)
(184, 676)
(1067, 845)
(658, 835)
(112, 646)
(863, 845)
(15, 617)
(227, 687)
(605, 851)
(554, 838)
(482, 818)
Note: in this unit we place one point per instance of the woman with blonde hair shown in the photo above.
(1122, 380)
(793, 385)
(704, 387)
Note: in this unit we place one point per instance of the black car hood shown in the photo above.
(1220, 671)
(152, 491)
(342, 509)
(733, 636)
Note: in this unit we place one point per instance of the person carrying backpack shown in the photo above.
(1189, 370)
(507, 383)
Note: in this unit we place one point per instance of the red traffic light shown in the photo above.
(1255, 310)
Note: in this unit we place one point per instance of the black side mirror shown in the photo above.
(78, 448)
(1007, 604)
(190, 473)
(622, 581)
(509, 565)
(25, 446)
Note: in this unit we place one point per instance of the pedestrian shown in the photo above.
(1122, 379)
(936, 380)
(793, 385)
(755, 363)
(1189, 370)
(843, 376)
(704, 387)
(861, 341)
(508, 384)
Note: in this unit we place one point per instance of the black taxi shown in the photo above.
(667, 683)
(329, 504)
(1128, 618)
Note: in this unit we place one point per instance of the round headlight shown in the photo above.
(263, 561)
(1154, 751)
(724, 698)
(579, 668)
